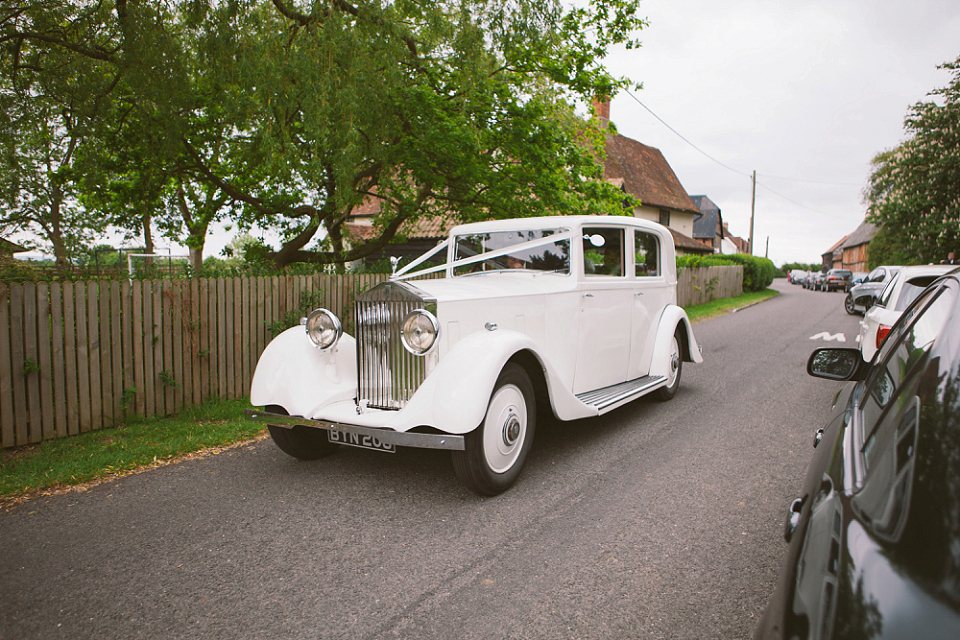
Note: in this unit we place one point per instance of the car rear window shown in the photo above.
(912, 289)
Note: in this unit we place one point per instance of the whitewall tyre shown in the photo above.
(496, 450)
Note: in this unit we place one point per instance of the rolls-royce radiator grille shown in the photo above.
(388, 374)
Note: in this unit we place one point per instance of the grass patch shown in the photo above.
(707, 310)
(138, 443)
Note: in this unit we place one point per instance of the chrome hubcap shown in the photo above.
(511, 430)
(504, 428)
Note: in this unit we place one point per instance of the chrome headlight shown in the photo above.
(419, 331)
(323, 328)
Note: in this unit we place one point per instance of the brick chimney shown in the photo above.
(601, 106)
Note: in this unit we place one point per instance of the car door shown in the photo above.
(651, 293)
(606, 310)
(870, 468)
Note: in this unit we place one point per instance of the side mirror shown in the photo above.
(836, 363)
(596, 240)
(865, 301)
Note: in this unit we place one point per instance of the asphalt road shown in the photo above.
(660, 520)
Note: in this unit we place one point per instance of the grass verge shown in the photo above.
(137, 444)
(142, 443)
(707, 310)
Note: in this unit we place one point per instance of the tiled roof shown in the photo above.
(706, 225)
(835, 247)
(645, 174)
(9, 247)
(862, 235)
(424, 228)
(689, 244)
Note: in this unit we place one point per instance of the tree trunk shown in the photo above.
(56, 231)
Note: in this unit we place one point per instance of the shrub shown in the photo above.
(758, 273)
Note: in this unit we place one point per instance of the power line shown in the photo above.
(740, 173)
(679, 135)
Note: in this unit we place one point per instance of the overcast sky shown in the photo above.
(803, 92)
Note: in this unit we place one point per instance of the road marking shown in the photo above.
(829, 337)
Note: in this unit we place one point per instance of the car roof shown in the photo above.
(553, 222)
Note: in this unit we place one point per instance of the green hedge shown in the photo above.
(758, 273)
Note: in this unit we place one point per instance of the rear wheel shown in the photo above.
(496, 450)
(673, 374)
(305, 443)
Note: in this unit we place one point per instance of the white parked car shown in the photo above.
(901, 290)
(569, 316)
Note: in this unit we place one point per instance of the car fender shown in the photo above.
(454, 397)
(301, 378)
(673, 317)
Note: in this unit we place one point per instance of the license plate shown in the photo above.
(361, 441)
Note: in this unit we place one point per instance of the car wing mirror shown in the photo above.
(596, 240)
(836, 363)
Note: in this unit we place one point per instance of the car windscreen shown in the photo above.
(551, 257)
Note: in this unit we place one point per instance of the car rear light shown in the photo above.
(882, 332)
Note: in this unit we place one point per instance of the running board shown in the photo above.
(603, 398)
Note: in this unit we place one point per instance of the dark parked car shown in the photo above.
(862, 296)
(875, 535)
(814, 281)
(836, 280)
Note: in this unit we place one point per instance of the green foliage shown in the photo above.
(289, 114)
(914, 190)
(758, 273)
(167, 380)
(786, 268)
(30, 366)
(309, 300)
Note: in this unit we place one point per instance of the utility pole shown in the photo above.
(766, 254)
(753, 206)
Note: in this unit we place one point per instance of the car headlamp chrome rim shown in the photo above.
(323, 329)
(419, 331)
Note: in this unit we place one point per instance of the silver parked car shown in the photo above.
(862, 296)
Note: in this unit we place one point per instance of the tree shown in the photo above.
(914, 190)
(49, 98)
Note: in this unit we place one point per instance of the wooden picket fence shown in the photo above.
(81, 356)
(703, 284)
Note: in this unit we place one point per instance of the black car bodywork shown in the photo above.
(875, 536)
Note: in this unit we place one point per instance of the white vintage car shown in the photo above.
(569, 316)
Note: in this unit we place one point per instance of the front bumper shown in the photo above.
(417, 440)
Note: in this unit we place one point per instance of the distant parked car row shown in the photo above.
(832, 280)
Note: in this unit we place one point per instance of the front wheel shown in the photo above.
(673, 374)
(848, 304)
(496, 450)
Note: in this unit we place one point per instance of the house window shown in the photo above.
(665, 217)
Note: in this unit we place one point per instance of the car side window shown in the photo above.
(897, 359)
(887, 292)
(646, 254)
(603, 251)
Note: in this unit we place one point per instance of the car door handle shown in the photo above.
(638, 293)
(793, 519)
(817, 438)
(588, 295)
